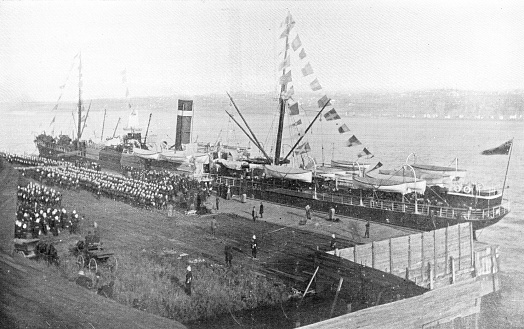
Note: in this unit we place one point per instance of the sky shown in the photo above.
(200, 47)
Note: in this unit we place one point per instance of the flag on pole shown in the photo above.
(502, 149)
(302, 54)
(378, 165)
(52, 121)
(352, 141)
(296, 43)
(285, 78)
(55, 107)
(304, 148)
(285, 63)
(315, 85)
(331, 115)
(286, 31)
(365, 152)
(293, 109)
(323, 102)
(287, 94)
(307, 70)
(343, 129)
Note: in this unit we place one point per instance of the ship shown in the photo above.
(420, 196)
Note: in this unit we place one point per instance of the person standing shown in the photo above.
(189, 279)
(261, 210)
(333, 244)
(254, 247)
(213, 226)
(217, 202)
(229, 255)
(331, 214)
(366, 234)
(254, 213)
(308, 212)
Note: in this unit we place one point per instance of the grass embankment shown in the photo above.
(153, 281)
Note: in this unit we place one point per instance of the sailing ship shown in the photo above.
(424, 197)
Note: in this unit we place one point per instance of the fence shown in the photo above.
(428, 258)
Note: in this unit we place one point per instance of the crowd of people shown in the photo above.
(39, 212)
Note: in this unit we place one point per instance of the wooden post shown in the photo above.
(390, 257)
(452, 270)
(407, 273)
(431, 271)
(422, 255)
(471, 244)
(310, 281)
(409, 252)
(447, 252)
(355, 253)
(435, 267)
(460, 248)
(373, 254)
(336, 297)
(492, 256)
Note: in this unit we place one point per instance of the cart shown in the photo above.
(92, 255)
(26, 247)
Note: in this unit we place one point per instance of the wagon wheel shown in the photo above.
(80, 262)
(93, 266)
(112, 263)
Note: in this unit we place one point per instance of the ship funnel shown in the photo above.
(183, 123)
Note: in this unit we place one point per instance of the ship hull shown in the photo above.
(379, 212)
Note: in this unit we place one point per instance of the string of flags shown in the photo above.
(308, 72)
(62, 87)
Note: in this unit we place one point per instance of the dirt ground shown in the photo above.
(284, 252)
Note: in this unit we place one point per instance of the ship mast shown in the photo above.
(79, 133)
(282, 107)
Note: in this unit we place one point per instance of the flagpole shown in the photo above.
(507, 167)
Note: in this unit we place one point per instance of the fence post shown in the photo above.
(373, 254)
(460, 247)
(390, 257)
(452, 270)
(422, 254)
(447, 251)
(431, 271)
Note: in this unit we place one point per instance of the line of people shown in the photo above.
(38, 214)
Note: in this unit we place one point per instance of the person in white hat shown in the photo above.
(254, 246)
(189, 279)
(333, 244)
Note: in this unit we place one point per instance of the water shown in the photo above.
(390, 139)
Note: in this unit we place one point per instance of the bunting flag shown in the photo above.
(62, 86)
(55, 107)
(52, 121)
(315, 85)
(287, 30)
(285, 78)
(304, 148)
(332, 115)
(296, 43)
(293, 109)
(352, 141)
(297, 123)
(343, 129)
(378, 165)
(302, 54)
(285, 63)
(323, 102)
(287, 94)
(365, 152)
(502, 149)
(288, 20)
(307, 70)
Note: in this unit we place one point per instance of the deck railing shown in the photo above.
(420, 208)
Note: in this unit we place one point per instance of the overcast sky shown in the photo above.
(197, 47)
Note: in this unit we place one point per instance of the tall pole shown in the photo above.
(103, 125)
(147, 130)
(250, 138)
(414, 175)
(507, 168)
(114, 132)
(255, 140)
(79, 134)
(282, 109)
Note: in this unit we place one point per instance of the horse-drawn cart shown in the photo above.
(91, 254)
(26, 247)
